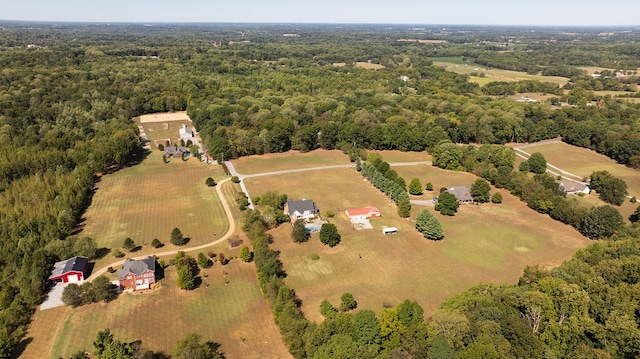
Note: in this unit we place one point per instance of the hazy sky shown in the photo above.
(491, 12)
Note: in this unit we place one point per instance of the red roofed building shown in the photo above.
(362, 213)
(72, 270)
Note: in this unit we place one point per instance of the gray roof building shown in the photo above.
(304, 209)
(137, 267)
(462, 194)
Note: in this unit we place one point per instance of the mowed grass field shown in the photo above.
(456, 65)
(583, 162)
(488, 243)
(289, 160)
(148, 200)
(234, 315)
(392, 156)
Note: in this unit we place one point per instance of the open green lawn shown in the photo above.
(488, 243)
(148, 200)
(234, 315)
(289, 160)
(456, 65)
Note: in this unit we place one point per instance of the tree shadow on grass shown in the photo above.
(101, 252)
(21, 347)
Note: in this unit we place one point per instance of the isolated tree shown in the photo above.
(415, 187)
(496, 198)
(222, 258)
(428, 186)
(299, 233)
(210, 182)
(118, 254)
(347, 302)
(601, 222)
(164, 158)
(428, 225)
(235, 179)
(245, 254)
(329, 234)
(480, 190)
(103, 289)
(447, 204)
(537, 163)
(177, 238)
(192, 347)
(128, 244)
(155, 243)
(327, 309)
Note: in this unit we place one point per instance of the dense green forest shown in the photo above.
(68, 93)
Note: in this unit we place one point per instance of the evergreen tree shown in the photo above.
(177, 238)
(404, 208)
(299, 232)
(186, 279)
(327, 309)
(245, 254)
(428, 225)
(329, 234)
(210, 182)
(496, 198)
(415, 187)
(128, 244)
(447, 204)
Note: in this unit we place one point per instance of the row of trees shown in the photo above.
(380, 174)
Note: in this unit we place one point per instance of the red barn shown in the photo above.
(72, 270)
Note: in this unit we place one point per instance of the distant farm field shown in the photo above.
(234, 315)
(488, 243)
(148, 200)
(457, 65)
(289, 160)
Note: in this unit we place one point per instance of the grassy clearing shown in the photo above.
(400, 156)
(457, 65)
(148, 200)
(489, 243)
(234, 315)
(369, 66)
(289, 160)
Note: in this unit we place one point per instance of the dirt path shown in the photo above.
(556, 171)
(230, 231)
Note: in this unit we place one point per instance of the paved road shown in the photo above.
(423, 202)
(232, 228)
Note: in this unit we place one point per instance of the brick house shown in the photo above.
(138, 274)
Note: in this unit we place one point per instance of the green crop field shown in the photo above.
(148, 200)
(289, 160)
(457, 65)
(487, 243)
(234, 315)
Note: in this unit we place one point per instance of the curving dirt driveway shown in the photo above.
(227, 209)
(232, 228)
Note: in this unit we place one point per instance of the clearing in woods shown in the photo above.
(289, 160)
(583, 161)
(457, 65)
(487, 243)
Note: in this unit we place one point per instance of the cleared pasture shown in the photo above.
(289, 160)
(583, 162)
(457, 65)
(488, 243)
(148, 200)
(234, 315)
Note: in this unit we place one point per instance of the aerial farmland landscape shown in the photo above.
(239, 181)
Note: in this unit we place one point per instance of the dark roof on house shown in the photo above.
(137, 267)
(73, 264)
(462, 193)
(572, 186)
(301, 206)
(172, 150)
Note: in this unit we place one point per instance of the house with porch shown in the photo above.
(138, 274)
(362, 213)
(305, 209)
(175, 151)
(574, 187)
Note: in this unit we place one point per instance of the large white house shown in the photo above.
(574, 187)
(305, 209)
(185, 132)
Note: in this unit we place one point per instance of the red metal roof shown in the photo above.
(363, 210)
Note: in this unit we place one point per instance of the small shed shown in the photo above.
(72, 270)
(389, 230)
